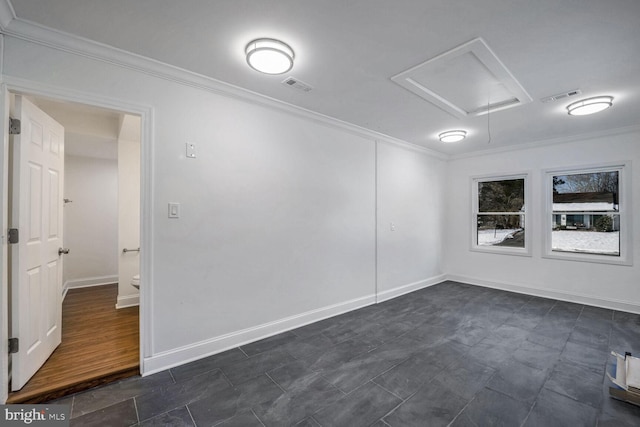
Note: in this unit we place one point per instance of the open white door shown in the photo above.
(36, 185)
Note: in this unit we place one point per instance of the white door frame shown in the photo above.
(27, 87)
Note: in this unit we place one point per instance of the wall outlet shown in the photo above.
(191, 150)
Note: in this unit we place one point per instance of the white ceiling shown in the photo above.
(82, 119)
(89, 131)
(349, 50)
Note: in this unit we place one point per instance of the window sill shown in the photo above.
(501, 250)
(586, 257)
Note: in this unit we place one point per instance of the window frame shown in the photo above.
(504, 250)
(624, 212)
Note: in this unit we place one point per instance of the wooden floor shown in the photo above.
(99, 344)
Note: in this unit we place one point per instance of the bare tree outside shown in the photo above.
(501, 210)
(596, 182)
(585, 217)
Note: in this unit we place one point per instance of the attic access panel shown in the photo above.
(468, 80)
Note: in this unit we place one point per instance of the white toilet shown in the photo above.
(135, 282)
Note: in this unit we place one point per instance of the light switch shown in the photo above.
(191, 150)
(174, 210)
(392, 226)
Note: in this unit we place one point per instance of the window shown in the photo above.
(499, 217)
(586, 214)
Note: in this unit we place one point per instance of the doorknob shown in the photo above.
(62, 251)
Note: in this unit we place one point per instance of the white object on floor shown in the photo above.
(627, 372)
(135, 282)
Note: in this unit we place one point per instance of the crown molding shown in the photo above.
(12, 26)
(7, 14)
(551, 141)
(38, 34)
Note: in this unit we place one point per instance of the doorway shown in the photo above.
(100, 344)
(93, 283)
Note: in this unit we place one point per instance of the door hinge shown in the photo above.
(14, 235)
(14, 345)
(14, 126)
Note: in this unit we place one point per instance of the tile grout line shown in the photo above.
(384, 422)
(191, 415)
(257, 417)
(535, 402)
(225, 376)
(243, 352)
(391, 393)
(135, 406)
(461, 411)
(73, 400)
(275, 382)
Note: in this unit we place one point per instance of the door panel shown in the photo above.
(37, 180)
(33, 303)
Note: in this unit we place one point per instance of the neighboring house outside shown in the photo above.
(573, 211)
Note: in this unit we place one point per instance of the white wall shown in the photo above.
(278, 221)
(128, 209)
(410, 213)
(612, 286)
(90, 221)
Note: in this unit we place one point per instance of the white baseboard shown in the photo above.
(91, 281)
(179, 356)
(87, 282)
(411, 287)
(609, 303)
(128, 301)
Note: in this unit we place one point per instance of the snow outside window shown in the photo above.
(586, 215)
(499, 217)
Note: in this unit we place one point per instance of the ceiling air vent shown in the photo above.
(561, 96)
(297, 84)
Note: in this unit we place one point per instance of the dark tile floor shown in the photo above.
(452, 354)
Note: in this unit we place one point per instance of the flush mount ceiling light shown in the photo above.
(269, 56)
(590, 105)
(452, 135)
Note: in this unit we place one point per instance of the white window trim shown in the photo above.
(526, 251)
(624, 211)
